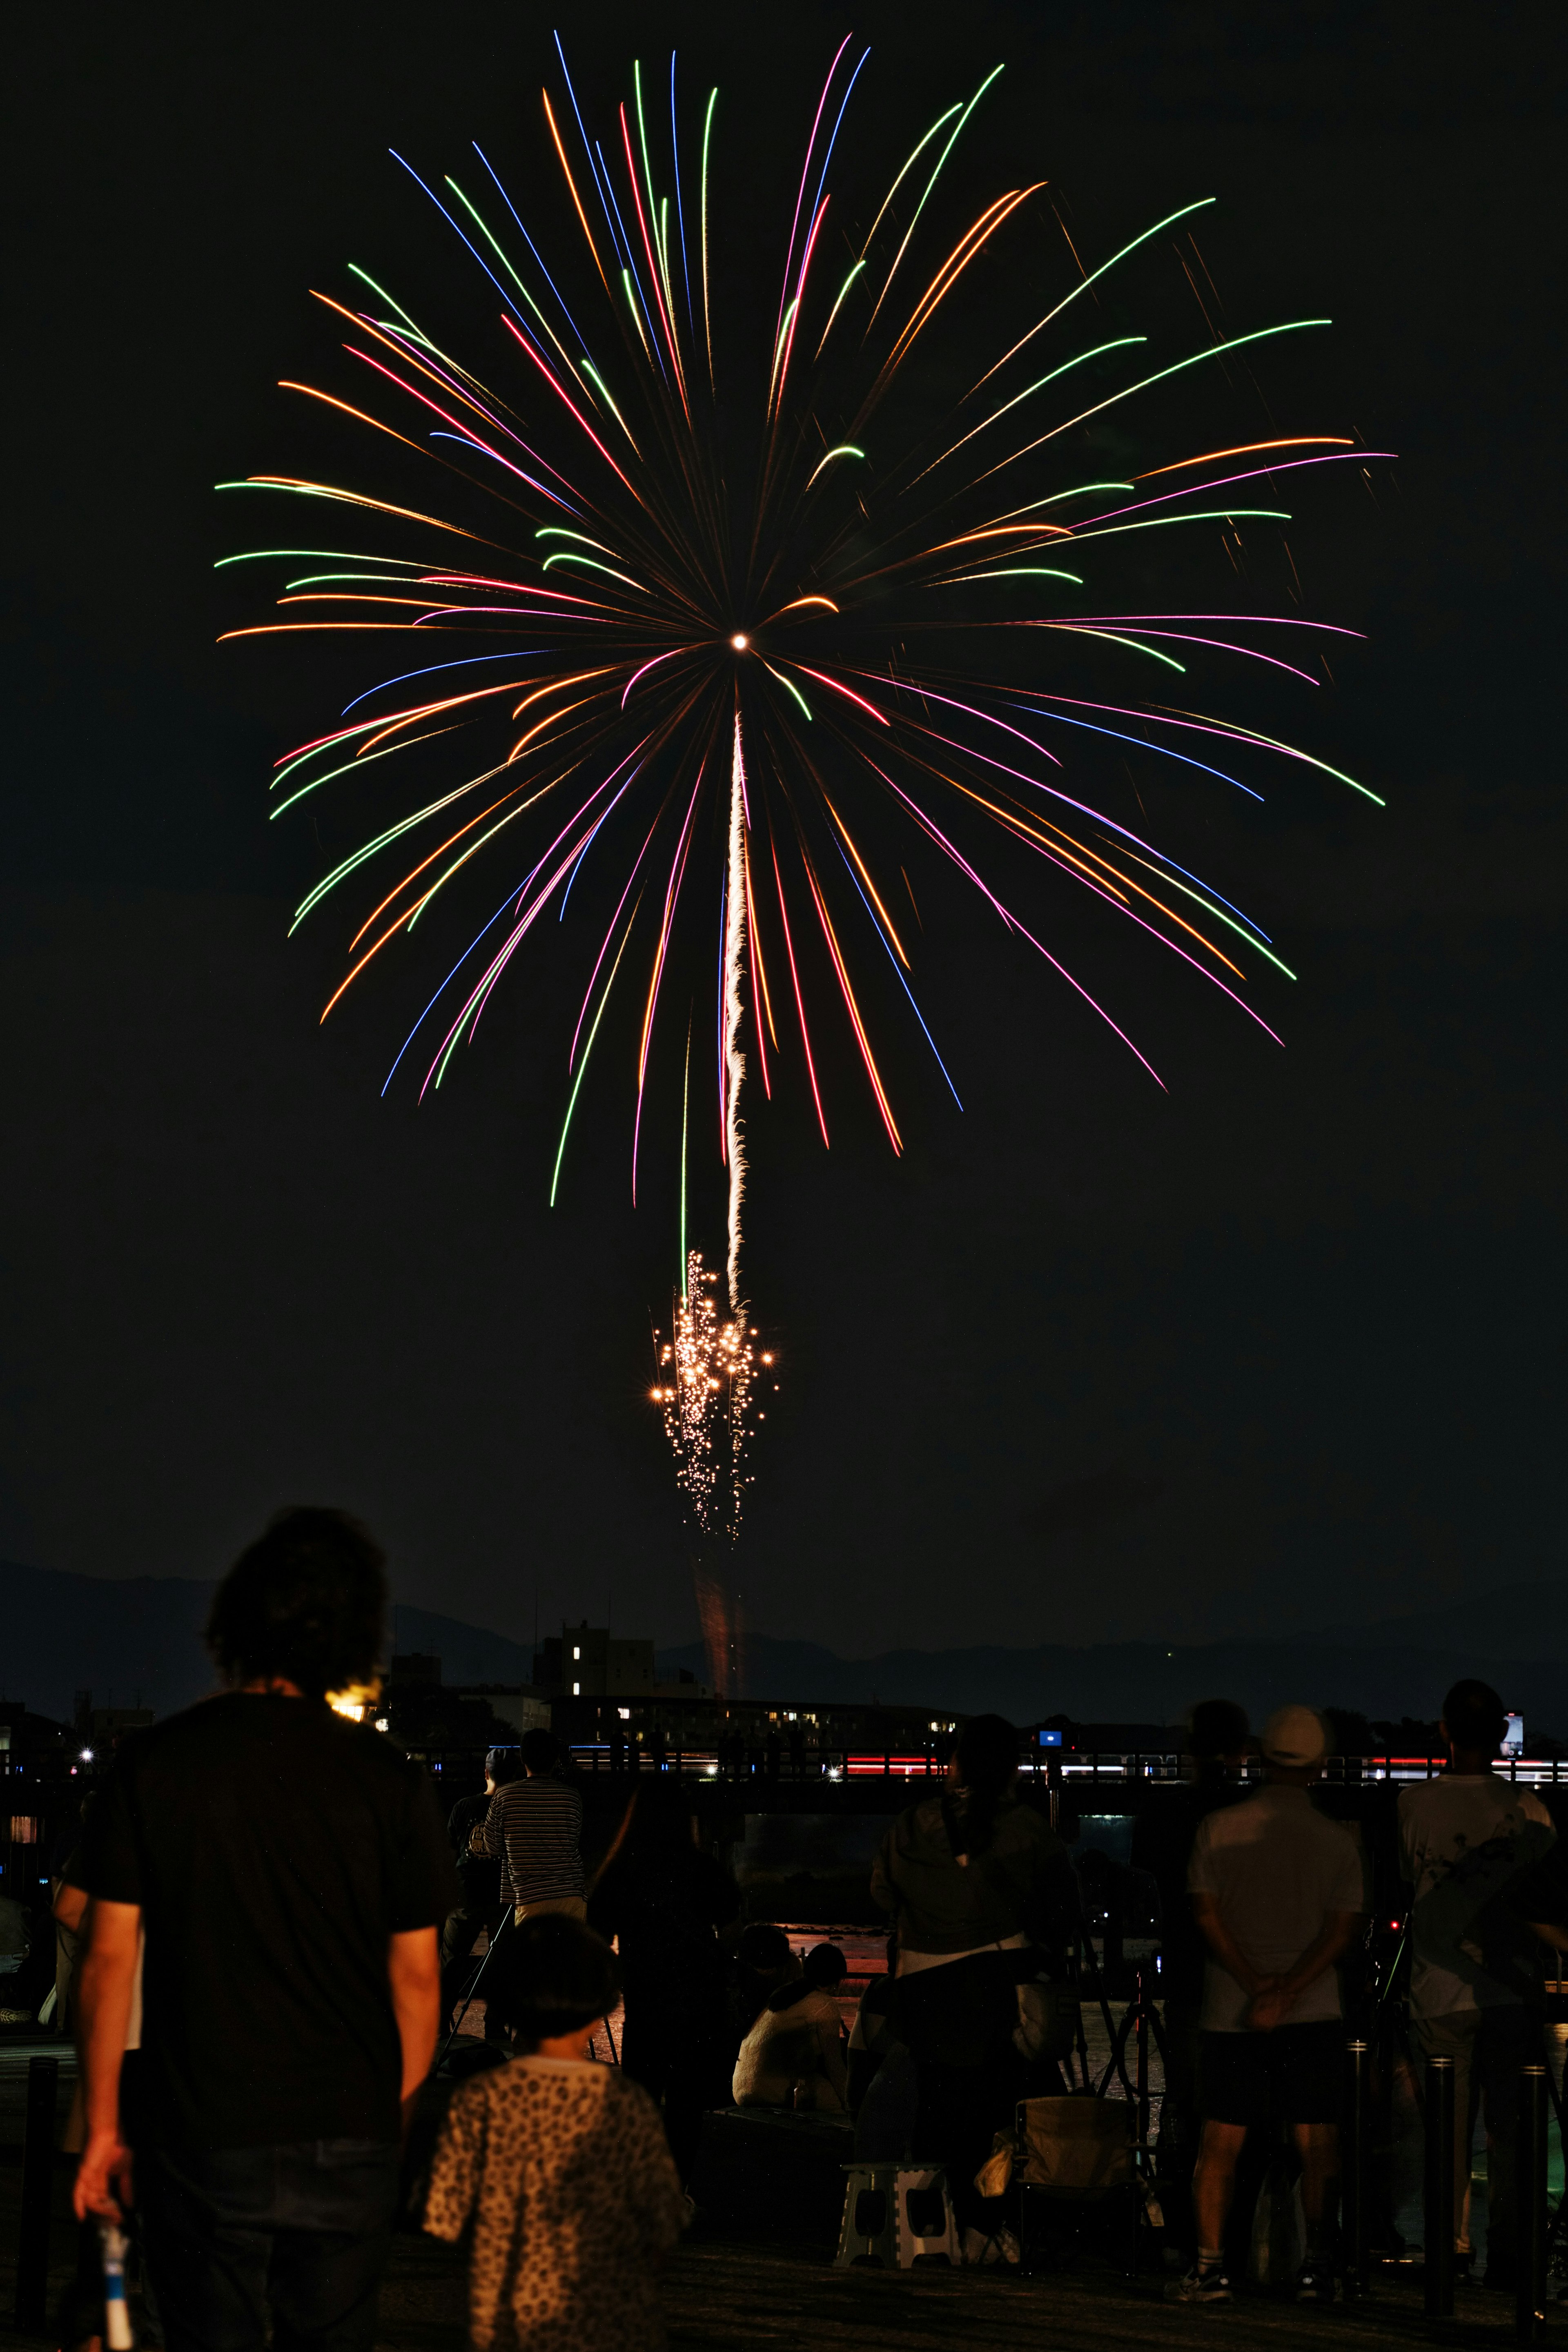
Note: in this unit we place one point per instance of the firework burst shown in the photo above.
(739, 614)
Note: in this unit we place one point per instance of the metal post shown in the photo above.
(38, 2187)
(1357, 2183)
(1439, 2223)
(1533, 2223)
(1141, 2071)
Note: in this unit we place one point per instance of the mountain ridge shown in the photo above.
(137, 1641)
(1146, 1682)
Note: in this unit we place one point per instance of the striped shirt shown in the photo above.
(536, 1827)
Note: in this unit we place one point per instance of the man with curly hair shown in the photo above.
(288, 1868)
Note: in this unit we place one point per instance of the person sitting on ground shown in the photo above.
(793, 2056)
(984, 1897)
(478, 1875)
(1277, 1891)
(764, 1959)
(535, 1824)
(560, 2164)
(1467, 1842)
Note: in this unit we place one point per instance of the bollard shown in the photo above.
(1439, 2199)
(1357, 2168)
(1533, 2223)
(1141, 2013)
(38, 2189)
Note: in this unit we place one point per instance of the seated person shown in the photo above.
(793, 2056)
(762, 1963)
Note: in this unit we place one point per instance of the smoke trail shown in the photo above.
(734, 1060)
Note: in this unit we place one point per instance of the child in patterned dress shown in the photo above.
(561, 2164)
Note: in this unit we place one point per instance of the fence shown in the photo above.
(1056, 1766)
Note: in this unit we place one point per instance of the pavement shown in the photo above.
(749, 2286)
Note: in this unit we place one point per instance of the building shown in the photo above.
(428, 1716)
(587, 1661)
(44, 1767)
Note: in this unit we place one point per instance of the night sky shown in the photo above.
(1279, 1347)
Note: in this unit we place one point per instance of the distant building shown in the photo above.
(429, 1716)
(43, 1767)
(104, 1725)
(588, 1662)
(100, 1727)
(517, 1711)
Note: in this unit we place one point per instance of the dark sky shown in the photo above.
(1283, 1347)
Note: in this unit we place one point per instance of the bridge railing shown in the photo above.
(1059, 1768)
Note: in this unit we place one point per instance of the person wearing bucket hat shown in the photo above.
(1295, 1737)
(1277, 1889)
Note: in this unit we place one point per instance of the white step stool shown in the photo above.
(896, 2215)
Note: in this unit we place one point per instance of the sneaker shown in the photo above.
(1201, 2285)
(1314, 2282)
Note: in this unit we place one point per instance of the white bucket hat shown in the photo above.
(1295, 1737)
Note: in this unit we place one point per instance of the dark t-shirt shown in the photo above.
(274, 1847)
(665, 1908)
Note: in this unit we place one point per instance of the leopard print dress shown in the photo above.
(563, 2167)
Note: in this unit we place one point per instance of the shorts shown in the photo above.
(1293, 2075)
(573, 1906)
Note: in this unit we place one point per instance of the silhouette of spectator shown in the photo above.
(1468, 1842)
(763, 1960)
(883, 2088)
(535, 1825)
(560, 2165)
(1162, 1838)
(793, 2054)
(480, 1908)
(973, 1880)
(663, 1901)
(292, 1876)
(1277, 1891)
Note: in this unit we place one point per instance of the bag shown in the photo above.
(1078, 2147)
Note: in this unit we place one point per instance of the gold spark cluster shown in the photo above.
(709, 1370)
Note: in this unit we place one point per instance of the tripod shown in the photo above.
(1139, 2023)
(474, 1981)
(509, 1919)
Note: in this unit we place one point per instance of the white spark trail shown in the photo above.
(734, 1060)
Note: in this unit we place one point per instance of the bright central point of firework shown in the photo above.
(739, 643)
